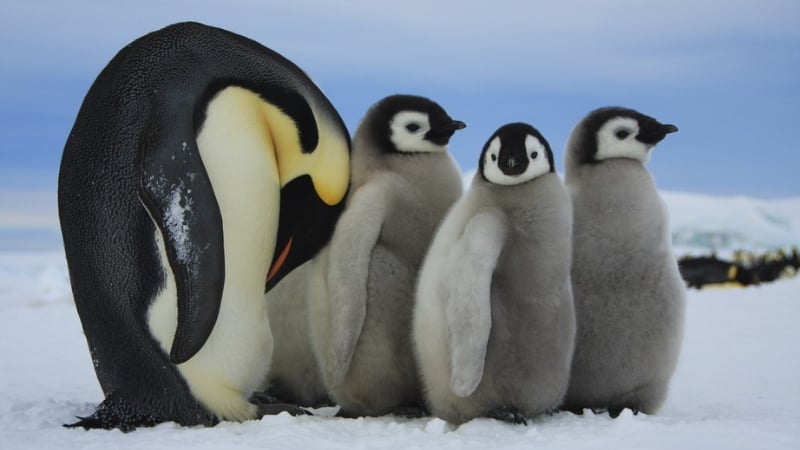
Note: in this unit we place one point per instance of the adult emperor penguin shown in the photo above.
(494, 323)
(201, 169)
(403, 182)
(629, 296)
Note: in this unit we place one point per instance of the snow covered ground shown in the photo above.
(737, 383)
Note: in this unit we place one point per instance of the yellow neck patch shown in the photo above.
(328, 165)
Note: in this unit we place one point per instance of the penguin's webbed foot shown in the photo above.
(508, 414)
(115, 413)
(272, 409)
(269, 406)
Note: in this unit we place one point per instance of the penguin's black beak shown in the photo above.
(653, 135)
(305, 225)
(513, 161)
(441, 134)
(457, 125)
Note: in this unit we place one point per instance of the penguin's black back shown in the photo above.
(152, 94)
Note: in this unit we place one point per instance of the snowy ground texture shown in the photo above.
(737, 385)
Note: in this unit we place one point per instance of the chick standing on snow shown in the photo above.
(629, 296)
(403, 182)
(494, 322)
(294, 376)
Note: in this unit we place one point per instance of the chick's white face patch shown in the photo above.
(617, 139)
(538, 163)
(407, 131)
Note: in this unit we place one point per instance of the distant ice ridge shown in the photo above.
(700, 223)
(704, 222)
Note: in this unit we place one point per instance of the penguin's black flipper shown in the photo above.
(177, 192)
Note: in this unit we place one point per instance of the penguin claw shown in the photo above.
(508, 414)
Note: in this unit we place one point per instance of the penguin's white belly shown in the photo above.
(240, 162)
(234, 359)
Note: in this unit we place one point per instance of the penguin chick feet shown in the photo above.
(348, 414)
(615, 411)
(508, 414)
(550, 412)
(574, 410)
(270, 406)
(411, 412)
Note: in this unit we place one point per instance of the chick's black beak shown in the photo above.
(653, 135)
(457, 125)
(513, 161)
(441, 134)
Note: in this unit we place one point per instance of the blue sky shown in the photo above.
(727, 73)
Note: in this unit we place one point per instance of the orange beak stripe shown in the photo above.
(279, 262)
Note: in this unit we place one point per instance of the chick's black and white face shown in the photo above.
(616, 132)
(515, 156)
(408, 131)
(617, 139)
(408, 124)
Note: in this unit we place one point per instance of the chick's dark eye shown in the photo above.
(622, 134)
(534, 155)
(494, 157)
(412, 127)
